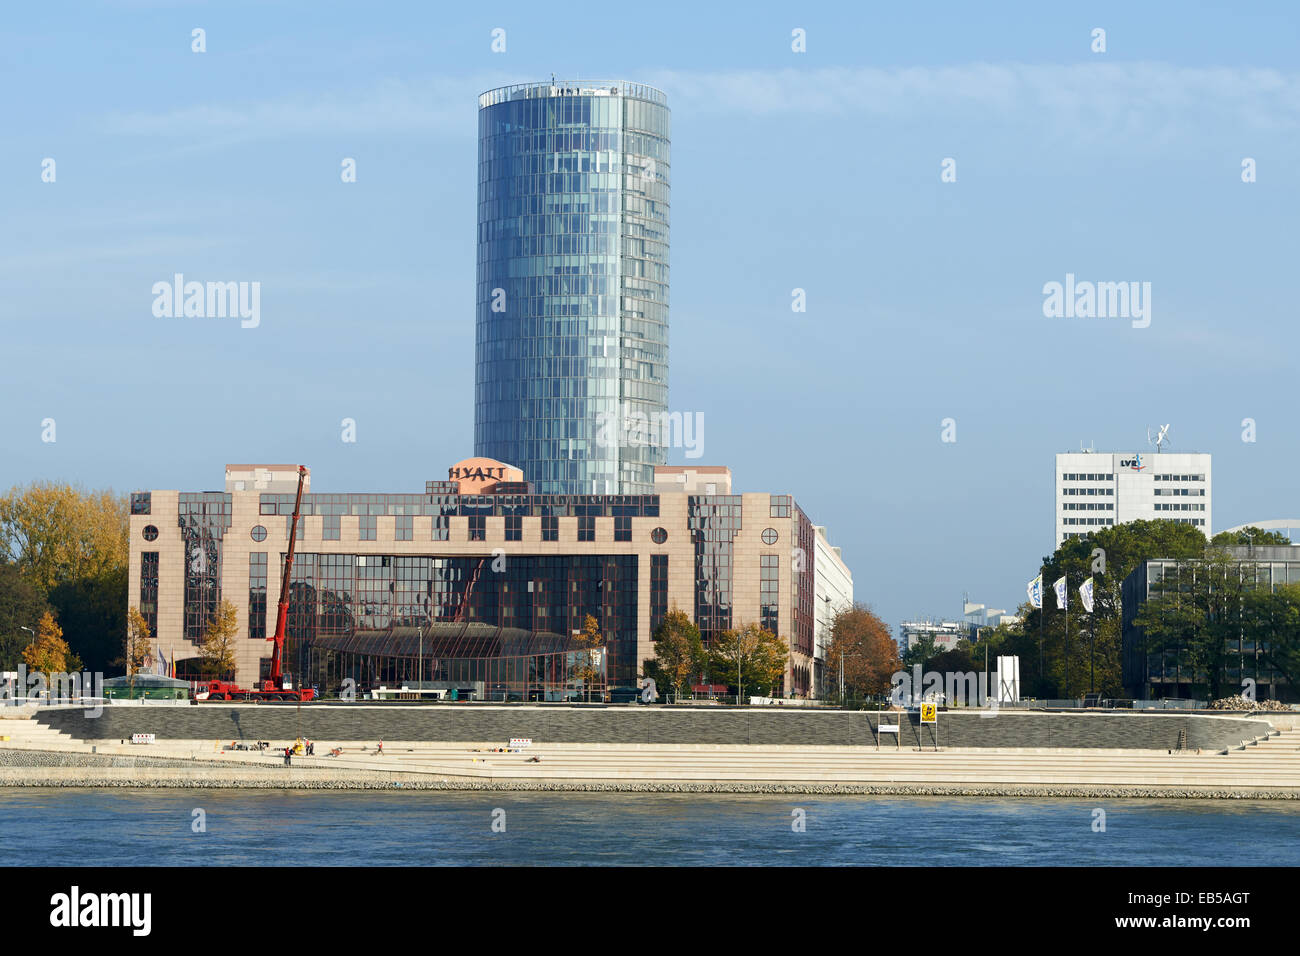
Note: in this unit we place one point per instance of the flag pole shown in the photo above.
(1066, 578)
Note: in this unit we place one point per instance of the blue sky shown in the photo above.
(818, 171)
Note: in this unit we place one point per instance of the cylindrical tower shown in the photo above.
(571, 343)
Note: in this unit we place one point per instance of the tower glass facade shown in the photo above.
(571, 345)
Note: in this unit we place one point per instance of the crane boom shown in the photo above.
(282, 614)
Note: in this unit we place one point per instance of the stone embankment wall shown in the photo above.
(654, 725)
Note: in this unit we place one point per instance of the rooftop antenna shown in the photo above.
(1160, 438)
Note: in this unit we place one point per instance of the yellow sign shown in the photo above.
(929, 713)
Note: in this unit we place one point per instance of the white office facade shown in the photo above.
(1096, 490)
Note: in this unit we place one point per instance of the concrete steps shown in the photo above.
(33, 735)
(1272, 763)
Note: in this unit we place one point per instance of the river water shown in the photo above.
(430, 828)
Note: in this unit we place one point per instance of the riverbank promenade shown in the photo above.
(1266, 765)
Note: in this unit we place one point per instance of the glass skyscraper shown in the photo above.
(571, 329)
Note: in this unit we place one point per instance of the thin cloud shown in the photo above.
(1112, 93)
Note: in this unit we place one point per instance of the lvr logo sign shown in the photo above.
(1135, 463)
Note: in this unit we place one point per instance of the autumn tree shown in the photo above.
(217, 652)
(678, 649)
(48, 653)
(589, 644)
(748, 657)
(57, 533)
(139, 641)
(861, 642)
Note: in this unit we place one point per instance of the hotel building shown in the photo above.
(479, 580)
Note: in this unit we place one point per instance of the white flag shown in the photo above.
(1060, 592)
(1035, 591)
(1085, 595)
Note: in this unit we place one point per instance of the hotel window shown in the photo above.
(331, 527)
(586, 528)
(779, 506)
(257, 595)
(622, 528)
(769, 579)
(368, 527)
(149, 590)
(658, 535)
(150, 533)
(550, 528)
(478, 527)
(514, 528)
(404, 527)
(658, 590)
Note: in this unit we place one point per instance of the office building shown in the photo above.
(571, 336)
(1096, 490)
(1149, 671)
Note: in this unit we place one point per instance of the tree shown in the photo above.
(21, 605)
(1092, 641)
(48, 653)
(1248, 536)
(678, 649)
(139, 644)
(590, 643)
(1194, 611)
(58, 532)
(1272, 623)
(748, 657)
(217, 652)
(919, 651)
(861, 642)
(92, 610)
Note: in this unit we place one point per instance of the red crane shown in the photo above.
(273, 688)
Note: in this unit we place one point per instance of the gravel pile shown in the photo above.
(1246, 704)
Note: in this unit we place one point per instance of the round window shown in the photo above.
(658, 535)
(259, 533)
(770, 536)
(150, 533)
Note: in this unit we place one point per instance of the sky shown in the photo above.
(818, 170)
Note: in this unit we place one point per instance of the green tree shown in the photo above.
(217, 652)
(1108, 556)
(863, 650)
(1272, 622)
(92, 610)
(679, 651)
(1194, 611)
(748, 658)
(1249, 536)
(21, 605)
(919, 651)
